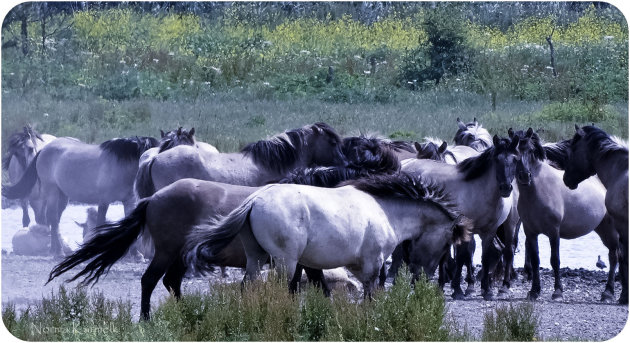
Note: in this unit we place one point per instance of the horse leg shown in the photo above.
(397, 260)
(173, 278)
(622, 229)
(316, 277)
(508, 260)
(295, 280)
(554, 242)
(102, 212)
(55, 204)
(149, 280)
(490, 255)
(470, 269)
(609, 236)
(26, 220)
(460, 251)
(531, 241)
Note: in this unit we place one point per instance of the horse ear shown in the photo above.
(162, 134)
(496, 140)
(442, 147)
(417, 146)
(475, 121)
(529, 133)
(510, 132)
(179, 130)
(461, 124)
(192, 132)
(577, 128)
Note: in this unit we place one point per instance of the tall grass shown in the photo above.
(230, 120)
(261, 311)
(511, 323)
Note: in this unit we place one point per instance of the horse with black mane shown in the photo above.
(68, 169)
(356, 225)
(594, 152)
(257, 164)
(22, 148)
(489, 177)
(548, 207)
(169, 215)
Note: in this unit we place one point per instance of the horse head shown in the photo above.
(177, 137)
(531, 150)
(578, 167)
(324, 146)
(505, 156)
(431, 151)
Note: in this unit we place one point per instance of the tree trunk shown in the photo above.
(552, 53)
(24, 34)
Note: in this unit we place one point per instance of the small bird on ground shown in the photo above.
(600, 264)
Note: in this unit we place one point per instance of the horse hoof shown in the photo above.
(557, 295)
(532, 296)
(470, 291)
(458, 296)
(623, 300)
(607, 297)
(488, 296)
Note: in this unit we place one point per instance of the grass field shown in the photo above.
(230, 120)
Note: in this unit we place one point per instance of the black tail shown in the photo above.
(23, 187)
(144, 182)
(205, 242)
(110, 243)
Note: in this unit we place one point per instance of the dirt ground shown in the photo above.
(579, 316)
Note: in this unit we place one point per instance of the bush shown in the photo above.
(576, 112)
(511, 323)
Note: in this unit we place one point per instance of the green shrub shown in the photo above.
(511, 323)
(576, 112)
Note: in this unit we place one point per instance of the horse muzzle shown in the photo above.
(505, 190)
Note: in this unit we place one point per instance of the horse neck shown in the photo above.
(610, 167)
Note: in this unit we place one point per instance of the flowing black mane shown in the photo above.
(281, 152)
(128, 149)
(324, 176)
(373, 154)
(557, 153)
(16, 141)
(407, 186)
(175, 138)
(600, 144)
(474, 167)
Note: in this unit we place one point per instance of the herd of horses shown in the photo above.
(307, 199)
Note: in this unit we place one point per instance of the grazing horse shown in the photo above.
(22, 148)
(594, 152)
(356, 225)
(169, 214)
(481, 187)
(548, 207)
(68, 169)
(472, 135)
(257, 164)
(430, 150)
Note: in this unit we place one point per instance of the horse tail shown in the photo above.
(144, 182)
(23, 187)
(205, 241)
(110, 242)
